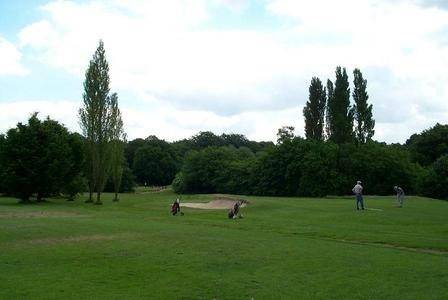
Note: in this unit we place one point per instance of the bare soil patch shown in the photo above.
(39, 214)
(387, 245)
(77, 239)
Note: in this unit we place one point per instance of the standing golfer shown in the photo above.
(400, 195)
(357, 190)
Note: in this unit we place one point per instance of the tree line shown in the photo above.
(41, 158)
(295, 166)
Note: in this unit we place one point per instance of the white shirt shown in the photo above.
(357, 189)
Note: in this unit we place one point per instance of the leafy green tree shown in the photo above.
(2, 142)
(78, 183)
(153, 165)
(178, 183)
(314, 111)
(270, 171)
(236, 140)
(340, 111)
(235, 177)
(118, 140)
(434, 182)
(155, 155)
(130, 149)
(364, 128)
(76, 186)
(328, 116)
(214, 170)
(285, 133)
(97, 121)
(318, 170)
(378, 165)
(127, 182)
(206, 139)
(429, 145)
(38, 158)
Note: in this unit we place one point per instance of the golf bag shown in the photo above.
(175, 208)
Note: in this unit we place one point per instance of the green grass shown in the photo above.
(284, 248)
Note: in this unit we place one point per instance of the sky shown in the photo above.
(226, 66)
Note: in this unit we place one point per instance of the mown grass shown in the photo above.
(284, 248)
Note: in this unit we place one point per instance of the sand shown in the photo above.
(219, 203)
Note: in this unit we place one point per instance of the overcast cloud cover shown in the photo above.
(180, 67)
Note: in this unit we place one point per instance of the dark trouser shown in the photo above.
(359, 199)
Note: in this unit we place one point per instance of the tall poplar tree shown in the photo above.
(364, 127)
(117, 146)
(330, 96)
(340, 110)
(96, 120)
(314, 111)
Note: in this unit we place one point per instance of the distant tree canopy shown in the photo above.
(284, 134)
(156, 162)
(215, 170)
(429, 145)
(154, 165)
(298, 167)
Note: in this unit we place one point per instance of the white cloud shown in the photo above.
(165, 121)
(19, 111)
(169, 122)
(199, 78)
(167, 55)
(10, 59)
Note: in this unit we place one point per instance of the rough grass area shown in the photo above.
(284, 248)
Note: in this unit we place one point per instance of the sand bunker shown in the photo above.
(219, 203)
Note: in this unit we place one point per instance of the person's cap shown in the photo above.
(359, 182)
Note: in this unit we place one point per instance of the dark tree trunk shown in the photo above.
(40, 197)
(90, 200)
(98, 199)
